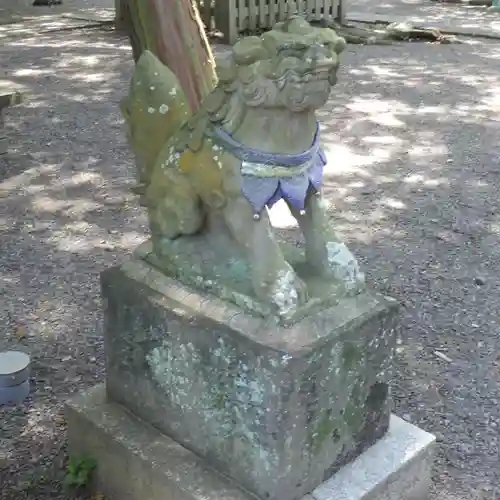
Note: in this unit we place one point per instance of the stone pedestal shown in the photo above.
(137, 462)
(7, 99)
(277, 409)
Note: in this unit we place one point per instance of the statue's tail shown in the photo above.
(154, 109)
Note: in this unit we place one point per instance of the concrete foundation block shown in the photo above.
(4, 144)
(279, 409)
(398, 467)
(137, 462)
(134, 460)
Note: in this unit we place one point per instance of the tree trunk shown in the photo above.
(174, 32)
(120, 9)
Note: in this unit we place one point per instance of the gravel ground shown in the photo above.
(411, 133)
(433, 11)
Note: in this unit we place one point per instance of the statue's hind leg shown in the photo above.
(325, 252)
(273, 278)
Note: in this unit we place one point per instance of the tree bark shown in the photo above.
(174, 32)
(120, 9)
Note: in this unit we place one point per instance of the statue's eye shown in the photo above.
(292, 52)
(329, 46)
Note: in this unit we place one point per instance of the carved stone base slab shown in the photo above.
(276, 408)
(218, 266)
(137, 462)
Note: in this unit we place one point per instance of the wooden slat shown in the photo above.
(252, 15)
(262, 11)
(282, 11)
(242, 15)
(224, 20)
(300, 7)
(340, 10)
(318, 10)
(328, 8)
(206, 14)
(273, 11)
(234, 16)
(233, 20)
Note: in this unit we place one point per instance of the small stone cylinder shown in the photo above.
(14, 377)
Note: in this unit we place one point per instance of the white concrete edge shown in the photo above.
(402, 444)
(423, 23)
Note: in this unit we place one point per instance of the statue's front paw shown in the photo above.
(288, 293)
(344, 267)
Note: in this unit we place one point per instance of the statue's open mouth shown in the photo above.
(324, 70)
(320, 72)
(317, 75)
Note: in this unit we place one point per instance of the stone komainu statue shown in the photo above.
(254, 141)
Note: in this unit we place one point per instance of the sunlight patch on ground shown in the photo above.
(91, 77)
(387, 120)
(47, 42)
(27, 181)
(388, 140)
(423, 180)
(492, 102)
(425, 150)
(36, 423)
(80, 178)
(375, 70)
(281, 217)
(81, 237)
(366, 230)
(44, 203)
(344, 160)
(392, 203)
(32, 72)
(423, 110)
(19, 182)
(375, 106)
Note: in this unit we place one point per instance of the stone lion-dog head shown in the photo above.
(293, 66)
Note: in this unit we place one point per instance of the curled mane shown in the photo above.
(252, 73)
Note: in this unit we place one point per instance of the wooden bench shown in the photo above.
(7, 99)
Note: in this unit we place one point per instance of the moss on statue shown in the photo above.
(323, 430)
(194, 184)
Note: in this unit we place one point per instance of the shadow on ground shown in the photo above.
(411, 134)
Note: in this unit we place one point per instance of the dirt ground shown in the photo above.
(411, 133)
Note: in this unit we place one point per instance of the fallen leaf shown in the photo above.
(21, 332)
(443, 356)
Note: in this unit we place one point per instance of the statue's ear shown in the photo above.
(340, 45)
(249, 50)
(226, 69)
(330, 37)
(215, 100)
(298, 25)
